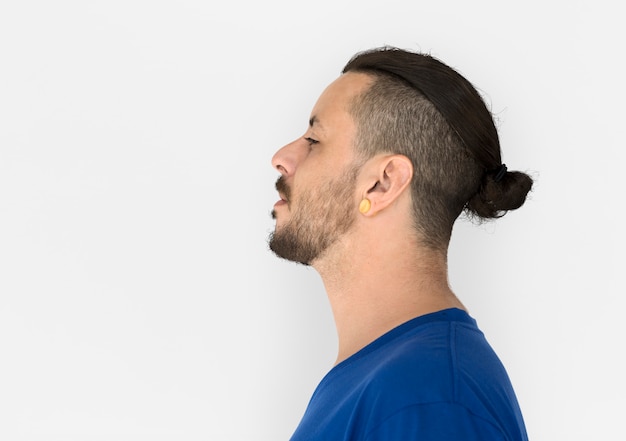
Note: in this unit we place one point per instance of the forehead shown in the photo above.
(335, 100)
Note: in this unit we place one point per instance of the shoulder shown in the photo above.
(442, 375)
(424, 364)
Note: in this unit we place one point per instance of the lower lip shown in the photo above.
(280, 203)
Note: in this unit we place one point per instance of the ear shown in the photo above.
(390, 177)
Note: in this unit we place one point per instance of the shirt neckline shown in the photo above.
(444, 315)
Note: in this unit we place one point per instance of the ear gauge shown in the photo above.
(365, 206)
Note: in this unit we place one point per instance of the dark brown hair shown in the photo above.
(419, 107)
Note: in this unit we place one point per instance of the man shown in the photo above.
(396, 149)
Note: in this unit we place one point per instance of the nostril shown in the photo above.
(278, 163)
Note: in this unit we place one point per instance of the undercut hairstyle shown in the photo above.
(423, 109)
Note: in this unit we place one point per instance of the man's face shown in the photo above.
(318, 174)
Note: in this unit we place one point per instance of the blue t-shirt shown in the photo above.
(432, 378)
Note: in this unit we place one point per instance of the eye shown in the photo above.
(311, 141)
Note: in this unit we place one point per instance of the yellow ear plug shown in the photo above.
(365, 206)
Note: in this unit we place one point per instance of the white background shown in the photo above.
(138, 300)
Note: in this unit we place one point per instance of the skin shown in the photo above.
(376, 273)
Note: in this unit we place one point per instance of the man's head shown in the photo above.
(411, 114)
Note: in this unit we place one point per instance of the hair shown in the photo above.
(421, 108)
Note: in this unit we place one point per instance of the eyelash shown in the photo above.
(311, 141)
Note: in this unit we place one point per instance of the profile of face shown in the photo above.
(318, 178)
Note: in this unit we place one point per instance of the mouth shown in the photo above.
(283, 192)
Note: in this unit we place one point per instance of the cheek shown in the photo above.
(318, 171)
(305, 181)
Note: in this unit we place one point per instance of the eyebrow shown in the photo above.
(315, 122)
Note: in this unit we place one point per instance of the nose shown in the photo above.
(286, 159)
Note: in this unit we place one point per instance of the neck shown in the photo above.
(373, 292)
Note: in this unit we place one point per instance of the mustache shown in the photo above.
(281, 187)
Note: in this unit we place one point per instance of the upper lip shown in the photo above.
(282, 188)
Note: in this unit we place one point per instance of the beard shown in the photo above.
(320, 219)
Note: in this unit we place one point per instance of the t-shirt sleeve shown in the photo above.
(434, 422)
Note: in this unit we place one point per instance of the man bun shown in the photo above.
(496, 197)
